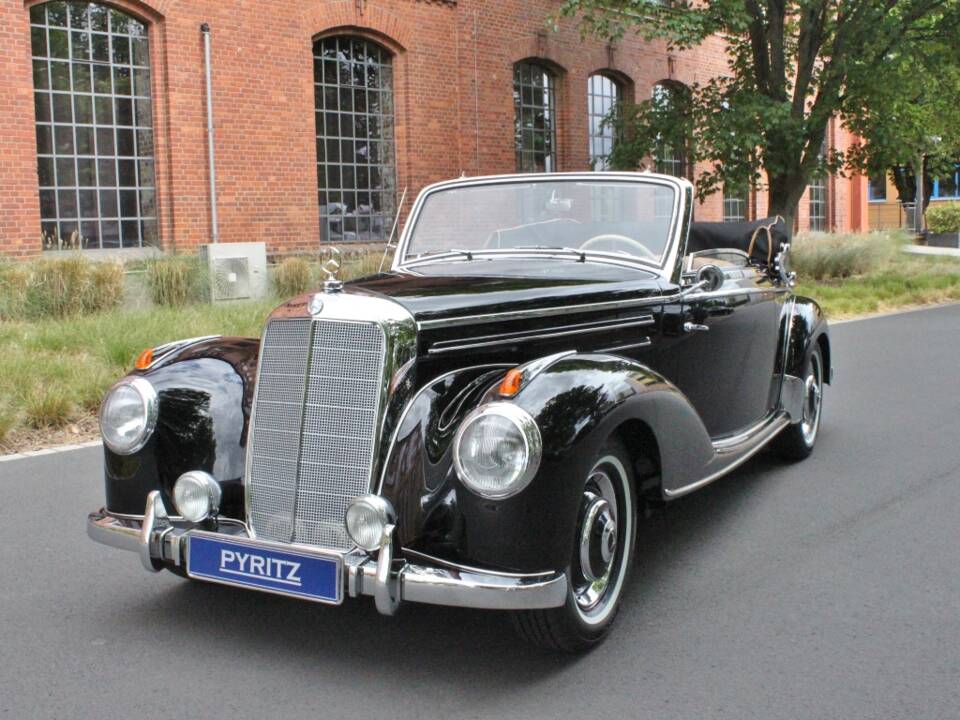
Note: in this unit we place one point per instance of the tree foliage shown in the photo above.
(793, 65)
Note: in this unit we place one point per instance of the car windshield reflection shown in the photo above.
(627, 219)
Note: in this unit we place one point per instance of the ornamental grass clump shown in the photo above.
(14, 280)
(818, 256)
(61, 287)
(293, 276)
(175, 280)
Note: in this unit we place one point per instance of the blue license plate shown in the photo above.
(264, 566)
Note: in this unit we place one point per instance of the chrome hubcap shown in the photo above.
(598, 538)
(812, 402)
(597, 560)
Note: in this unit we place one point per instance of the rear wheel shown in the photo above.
(796, 441)
(602, 559)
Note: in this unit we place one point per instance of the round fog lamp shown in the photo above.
(367, 518)
(196, 496)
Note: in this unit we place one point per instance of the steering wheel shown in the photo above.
(633, 247)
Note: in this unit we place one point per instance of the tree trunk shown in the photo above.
(783, 194)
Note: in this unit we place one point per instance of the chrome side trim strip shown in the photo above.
(595, 324)
(731, 443)
(547, 312)
(513, 338)
(751, 442)
(642, 343)
(729, 292)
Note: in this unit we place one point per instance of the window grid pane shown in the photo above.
(535, 118)
(94, 127)
(818, 205)
(603, 94)
(353, 84)
(734, 206)
(667, 159)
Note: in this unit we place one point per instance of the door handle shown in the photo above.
(695, 327)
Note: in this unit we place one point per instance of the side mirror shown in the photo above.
(711, 278)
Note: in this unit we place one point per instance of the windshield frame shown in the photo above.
(666, 267)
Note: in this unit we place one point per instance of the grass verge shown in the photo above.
(871, 274)
(54, 372)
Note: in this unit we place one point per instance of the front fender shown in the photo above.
(205, 391)
(578, 402)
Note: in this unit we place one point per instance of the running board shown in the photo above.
(731, 452)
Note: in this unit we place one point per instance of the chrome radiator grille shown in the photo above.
(315, 427)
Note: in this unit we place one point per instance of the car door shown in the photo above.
(723, 352)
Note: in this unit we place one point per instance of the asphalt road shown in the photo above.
(827, 589)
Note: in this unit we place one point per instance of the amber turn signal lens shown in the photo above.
(510, 385)
(144, 360)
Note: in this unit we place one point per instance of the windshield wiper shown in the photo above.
(581, 254)
(439, 253)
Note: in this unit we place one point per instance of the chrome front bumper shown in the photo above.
(160, 540)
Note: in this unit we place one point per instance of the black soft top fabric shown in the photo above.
(761, 239)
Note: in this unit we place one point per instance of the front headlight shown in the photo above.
(497, 450)
(128, 415)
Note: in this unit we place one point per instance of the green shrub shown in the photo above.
(292, 277)
(831, 257)
(944, 217)
(176, 280)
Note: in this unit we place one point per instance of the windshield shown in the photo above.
(626, 218)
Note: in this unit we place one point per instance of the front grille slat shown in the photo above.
(315, 428)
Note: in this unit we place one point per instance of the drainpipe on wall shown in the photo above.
(214, 225)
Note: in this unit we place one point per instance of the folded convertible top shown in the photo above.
(760, 239)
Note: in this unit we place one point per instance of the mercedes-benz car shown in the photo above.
(484, 424)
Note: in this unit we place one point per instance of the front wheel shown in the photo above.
(796, 441)
(602, 558)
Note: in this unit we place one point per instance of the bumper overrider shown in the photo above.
(391, 580)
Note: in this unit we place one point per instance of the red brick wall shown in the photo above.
(453, 76)
(19, 198)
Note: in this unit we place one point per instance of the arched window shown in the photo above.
(535, 107)
(91, 77)
(355, 139)
(603, 95)
(669, 158)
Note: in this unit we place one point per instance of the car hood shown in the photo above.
(455, 291)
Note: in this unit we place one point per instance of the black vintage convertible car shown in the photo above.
(483, 425)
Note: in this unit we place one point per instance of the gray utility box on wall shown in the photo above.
(238, 271)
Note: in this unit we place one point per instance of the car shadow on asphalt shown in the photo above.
(286, 634)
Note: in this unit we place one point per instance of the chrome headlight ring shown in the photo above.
(497, 450)
(146, 410)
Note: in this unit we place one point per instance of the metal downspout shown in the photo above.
(211, 156)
